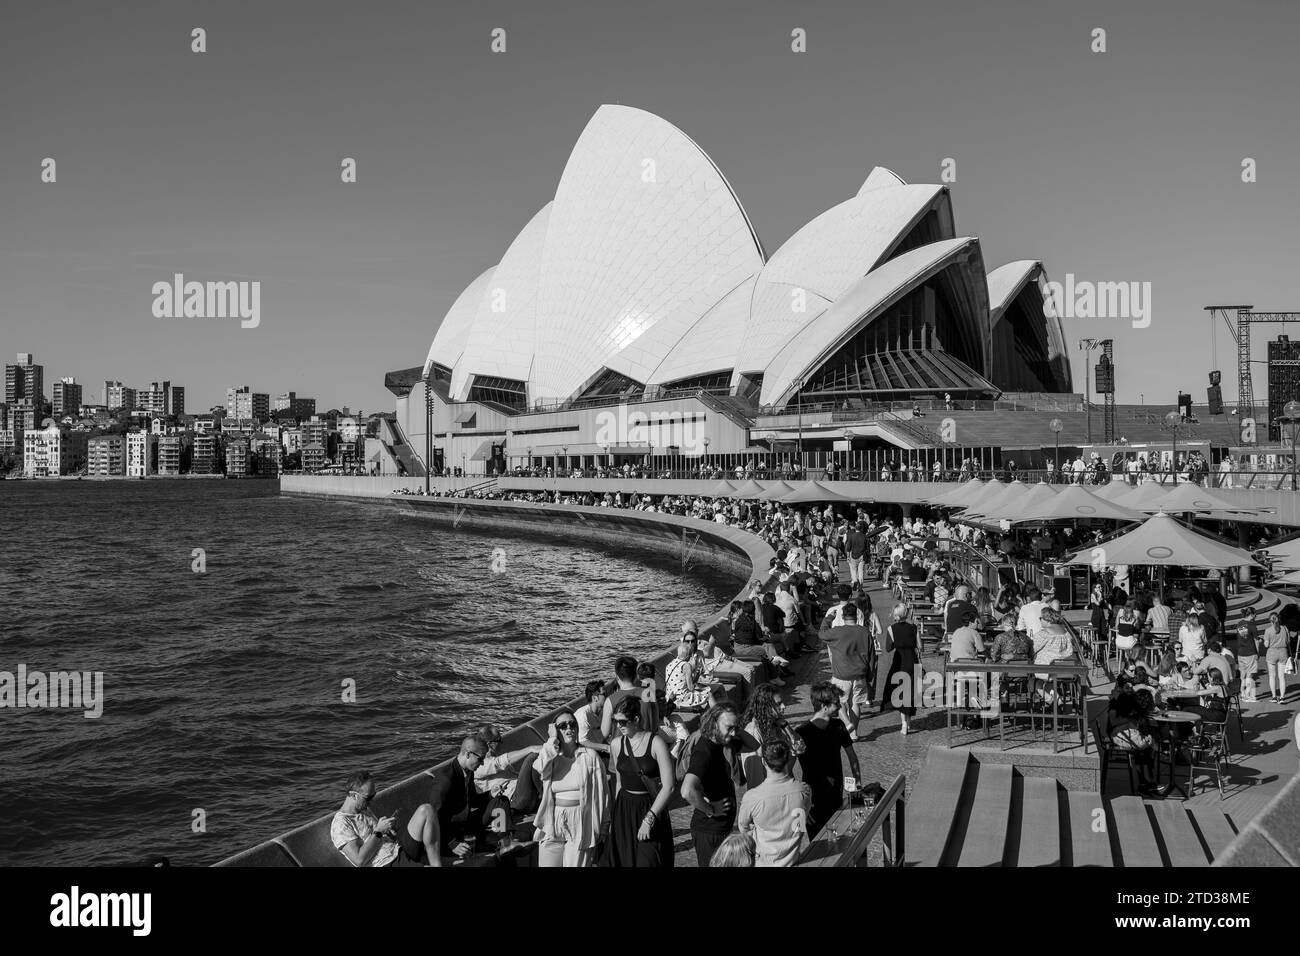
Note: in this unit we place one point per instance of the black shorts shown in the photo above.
(412, 849)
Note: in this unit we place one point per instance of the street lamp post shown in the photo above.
(565, 449)
(1055, 426)
(530, 458)
(1291, 413)
(799, 406)
(1172, 421)
(706, 452)
(428, 435)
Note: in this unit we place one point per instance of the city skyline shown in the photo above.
(1055, 153)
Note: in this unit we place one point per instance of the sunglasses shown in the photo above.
(567, 725)
(621, 721)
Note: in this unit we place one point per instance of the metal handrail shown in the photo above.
(861, 838)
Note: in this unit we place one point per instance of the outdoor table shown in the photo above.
(1173, 718)
(1064, 670)
(1192, 695)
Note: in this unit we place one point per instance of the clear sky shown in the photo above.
(1116, 166)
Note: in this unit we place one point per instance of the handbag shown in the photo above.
(887, 640)
(1289, 666)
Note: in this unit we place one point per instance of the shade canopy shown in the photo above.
(750, 489)
(1161, 540)
(1144, 494)
(955, 497)
(811, 491)
(1291, 577)
(1286, 555)
(980, 496)
(1192, 497)
(992, 503)
(1114, 489)
(723, 489)
(1076, 501)
(775, 491)
(1014, 508)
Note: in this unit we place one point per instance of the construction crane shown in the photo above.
(1240, 331)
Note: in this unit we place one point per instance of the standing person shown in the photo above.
(857, 550)
(852, 650)
(1247, 661)
(773, 810)
(763, 720)
(825, 737)
(589, 734)
(640, 835)
(626, 686)
(572, 818)
(1277, 642)
(709, 786)
(900, 691)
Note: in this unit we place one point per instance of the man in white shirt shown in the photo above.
(1079, 469)
(1031, 612)
(499, 772)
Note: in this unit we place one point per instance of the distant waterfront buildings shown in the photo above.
(237, 457)
(169, 455)
(142, 455)
(269, 457)
(106, 456)
(52, 451)
(67, 397)
(243, 402)
(203, 460)
(313, 457)
(25, 380)
(117, 395)
(299, 408)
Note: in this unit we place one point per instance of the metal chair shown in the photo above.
(1098, 649)
(1106, 753)
(1207, 750)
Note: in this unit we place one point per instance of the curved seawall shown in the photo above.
(698, 542)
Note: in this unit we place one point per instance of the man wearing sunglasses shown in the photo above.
(367, 840)
(457, 804)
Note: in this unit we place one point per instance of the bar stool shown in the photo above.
(1098, 649)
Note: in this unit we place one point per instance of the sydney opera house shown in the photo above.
(638, 312)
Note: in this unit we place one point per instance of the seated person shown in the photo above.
(498, 774)
(458, 805)
(681, 691)
(367, 840)
(1130, 732)
(1011, 644)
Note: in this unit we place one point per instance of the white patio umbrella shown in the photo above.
(1162, 541)
(958, 496)
(1076, 501)
(1013, 505)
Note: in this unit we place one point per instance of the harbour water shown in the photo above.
(229, 623)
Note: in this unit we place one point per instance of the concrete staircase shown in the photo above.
(963, 812)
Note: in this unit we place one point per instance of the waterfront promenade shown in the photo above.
(1263, 755)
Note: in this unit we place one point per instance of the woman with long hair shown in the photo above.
(764, 720)
(984, 606)
(1277, 642)
(1247, 661)
(572, 818)
(640, 835)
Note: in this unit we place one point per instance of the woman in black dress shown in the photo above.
(643, 774)
(901, 691)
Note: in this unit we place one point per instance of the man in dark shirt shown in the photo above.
(825, 738)
(856, 545)
(960, 611)
(709, 785)
(853, 659)
(456, 802)
(916, 572)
